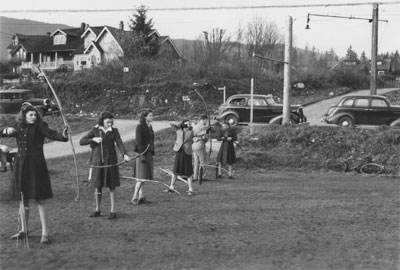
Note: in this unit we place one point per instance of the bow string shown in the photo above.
(41, 73)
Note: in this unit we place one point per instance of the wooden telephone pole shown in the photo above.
(374, 48)
(287, 73)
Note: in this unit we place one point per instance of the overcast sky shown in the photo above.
(325, 33)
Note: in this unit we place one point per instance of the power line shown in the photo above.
(197, 8)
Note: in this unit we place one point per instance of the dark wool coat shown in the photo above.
(30, 175)
(226, 153)
(144, 137)
(104, 154)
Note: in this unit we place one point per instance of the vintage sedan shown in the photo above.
(236, 110)
(363, 110)
(12, 99)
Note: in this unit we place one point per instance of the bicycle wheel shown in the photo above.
(336, 165)
(371, 168)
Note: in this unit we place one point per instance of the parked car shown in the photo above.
(12, 99)
(236, 110)
(363, 110)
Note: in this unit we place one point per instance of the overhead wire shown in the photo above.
(198, 8)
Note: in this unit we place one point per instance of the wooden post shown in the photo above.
(374, 48)
(251, 96)
(286, 79)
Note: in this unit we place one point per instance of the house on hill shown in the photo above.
(79, 48)
(383, 66)
(50, 51)
(106, 43)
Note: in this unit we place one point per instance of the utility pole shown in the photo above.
(252, 94)
(374, 48)
(286, 72)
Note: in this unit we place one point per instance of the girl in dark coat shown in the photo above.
(226, 153)
(144, 167)
(30, 179)
(103, 138)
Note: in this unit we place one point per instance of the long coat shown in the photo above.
(144, 167)
(30, 175)
(104, 153)
(226, 153)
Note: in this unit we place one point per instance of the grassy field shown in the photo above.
(259, 220)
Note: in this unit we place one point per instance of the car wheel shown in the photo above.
(346, 122)
(232, 120)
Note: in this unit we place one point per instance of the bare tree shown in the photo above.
(263, 37)
(216, 45)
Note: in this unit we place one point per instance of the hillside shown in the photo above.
(10, 26)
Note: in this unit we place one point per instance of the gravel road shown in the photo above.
(316, 111)
(126, 129)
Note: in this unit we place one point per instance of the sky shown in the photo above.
(324, 34)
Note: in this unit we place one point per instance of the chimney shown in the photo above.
(83, 25)
(87, 26)
(121, 25)
(48, 34)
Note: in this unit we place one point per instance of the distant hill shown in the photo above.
(10, 26)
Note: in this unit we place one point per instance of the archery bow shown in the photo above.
(238, 145)
(150, 181)
(121, 162)
(172, 175)
(41, 73)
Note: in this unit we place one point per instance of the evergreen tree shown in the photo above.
(139, 22)
(363, 57)
(351, 55)
(141, 29)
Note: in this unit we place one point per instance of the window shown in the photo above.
(378, 103)
(361, 102)
(238, 101)
(348, 102)
(258, 102)
(60, 40)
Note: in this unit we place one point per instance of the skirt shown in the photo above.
(183, 164)
(226, 153)
(144, 169)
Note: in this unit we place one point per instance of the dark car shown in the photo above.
(12, 99)
(236, 110)
(363, 110)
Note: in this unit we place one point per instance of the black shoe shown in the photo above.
(143, 200)
(19, 235)
(230, 177)
(219, 176)
(169, 190)
(95, 214)
(112, 216)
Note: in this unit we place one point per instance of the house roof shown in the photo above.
(95, 45)
(385, 64)
(94, 29)
(74, 32)
(33, 43)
